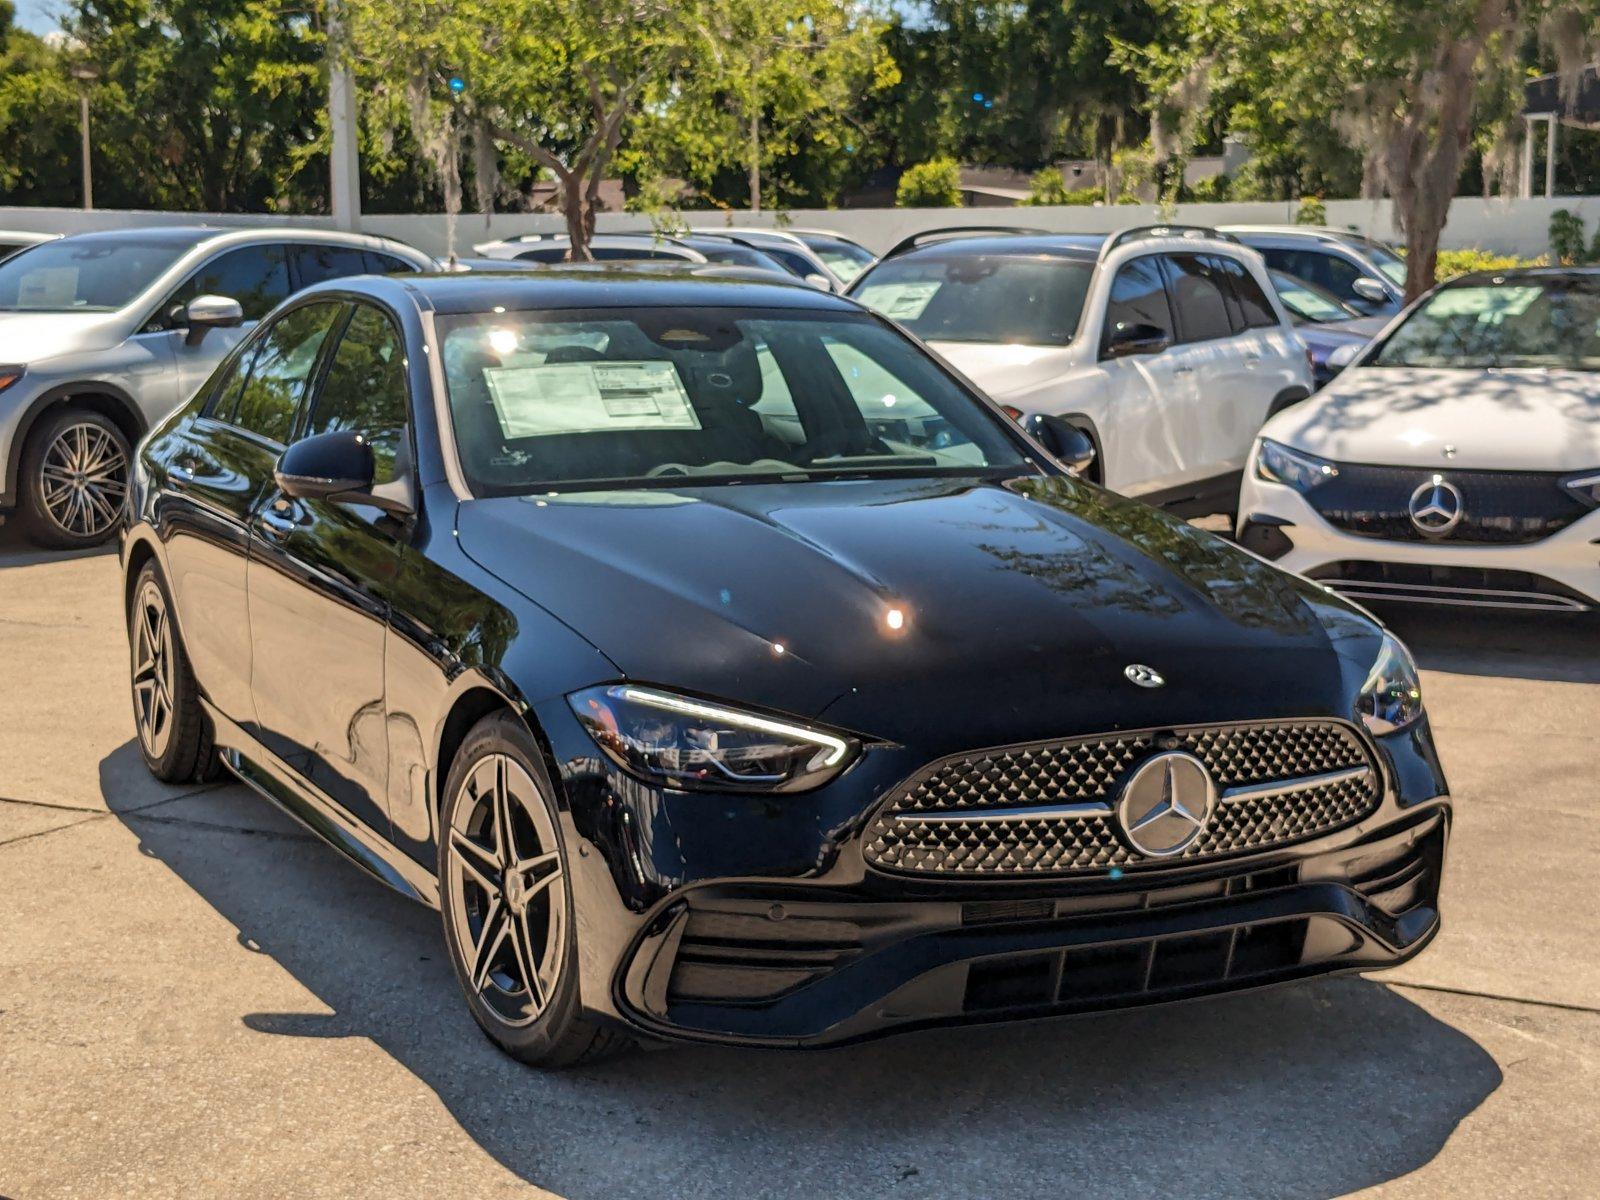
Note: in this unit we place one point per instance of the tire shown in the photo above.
(173, 733)
(74, 480)
(499, 932)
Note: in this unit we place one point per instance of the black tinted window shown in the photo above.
(1253, 303)
(546, 254)
(284, 359)
(386, 264)
(316, 263)
(631, 253)
(256, 276)
(365, 388)
(1197, 295)
(1139, 297)
(1328, 271)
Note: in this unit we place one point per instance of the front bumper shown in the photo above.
(1559, 573)
(760, 921)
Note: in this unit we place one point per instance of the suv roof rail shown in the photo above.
(954, 231)
(1141, 232)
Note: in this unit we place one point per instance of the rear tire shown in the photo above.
(74, 480)
(506, 901)
(173, 733)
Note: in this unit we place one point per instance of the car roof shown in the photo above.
(190, 236)
(1081, 246)
(1300, 233)
(594, 285)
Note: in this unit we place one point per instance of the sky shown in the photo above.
(37, 15)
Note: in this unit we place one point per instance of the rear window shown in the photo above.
(999, 298)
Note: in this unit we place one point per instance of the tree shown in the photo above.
(933, 184)
(38, 119)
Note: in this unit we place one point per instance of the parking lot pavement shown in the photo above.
(198, 999)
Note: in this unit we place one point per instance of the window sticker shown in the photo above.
(49, 287)
(900, 301)
(588, 397)
(1485, 303)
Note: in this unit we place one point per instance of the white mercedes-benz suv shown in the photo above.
(1455, 461)
(1166, 345)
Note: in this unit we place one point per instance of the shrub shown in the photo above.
(1463, 262)
(1046, 187)
(1214, 190)
(1311, 211)
(933, 184)
(1566, 238)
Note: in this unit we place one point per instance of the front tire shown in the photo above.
(173, 733)
(74, 480)
(506, 901)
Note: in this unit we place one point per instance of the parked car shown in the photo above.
(788, 249)
(1455, 461)
(1356, 270)
(1165, 344)
(104, 333)
(12, 240)
(844, 257)
(1324, 323)
(607, 616)
(633, 248)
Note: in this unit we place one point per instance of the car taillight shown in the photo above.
(1014, 413)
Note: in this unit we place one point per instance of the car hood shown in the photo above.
(1021, 604)
(31, 337)
(1494, 419)
(1002, 369)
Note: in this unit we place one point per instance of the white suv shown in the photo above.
(1166, 345)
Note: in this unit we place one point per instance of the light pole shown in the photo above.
(85, 72)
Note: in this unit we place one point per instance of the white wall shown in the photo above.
(1504, 226)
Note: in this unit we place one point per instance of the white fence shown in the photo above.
(1504, 226)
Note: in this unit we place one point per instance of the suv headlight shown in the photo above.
(1585, 485)
(685, 743)
(1391, 698)
(1276, 463)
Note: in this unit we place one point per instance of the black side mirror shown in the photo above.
(1137, 338)
(335, 466)
(1070, 446)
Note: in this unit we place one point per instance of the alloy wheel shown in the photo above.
(153, 670)
(508, 901)
(83, 480)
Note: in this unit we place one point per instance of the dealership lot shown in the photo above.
(197, 998)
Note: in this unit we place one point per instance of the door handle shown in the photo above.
(181, 473)
(279, 519)
(1181, 370)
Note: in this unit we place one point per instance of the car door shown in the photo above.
(1145, 394)
(319, 580)
(1274, 360)
(257, 276)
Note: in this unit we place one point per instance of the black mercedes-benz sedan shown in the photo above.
(723, 666)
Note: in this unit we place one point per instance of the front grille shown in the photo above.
(1459, 587)
(1497, 507)
(1277, 783)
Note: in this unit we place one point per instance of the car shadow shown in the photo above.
(1310, 1091)
(17, 551)
(1506, 644)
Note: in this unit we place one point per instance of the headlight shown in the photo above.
(1277, 463)
(1585, 486)
(1391, 698)
(681, 742)
(9, 375)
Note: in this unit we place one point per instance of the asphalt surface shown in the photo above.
(197, 999)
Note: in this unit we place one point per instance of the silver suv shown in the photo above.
(102, 334)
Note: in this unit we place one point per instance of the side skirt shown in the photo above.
(259, 768)
(1199, 497)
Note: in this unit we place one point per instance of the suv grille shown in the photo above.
(1277, 782)
(1497, 507)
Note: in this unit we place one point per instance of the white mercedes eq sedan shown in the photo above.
(1455, 461)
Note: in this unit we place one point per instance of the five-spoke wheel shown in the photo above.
(174, 733)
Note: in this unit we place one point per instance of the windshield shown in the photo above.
(543, 400)
(999, 298)
(1384, 258)
(84, 275)
(1306, 301)
(1525, 321)
(844, 259)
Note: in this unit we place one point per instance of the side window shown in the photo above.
(1138, 297)
(1253, 302)
(225, 395)
(545, 254)
(1197, 295)
(284, 359)
(386, 264)
(256, 276)
(1328, 271)
(313, 263)
(364, 389)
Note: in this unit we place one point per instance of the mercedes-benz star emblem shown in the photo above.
(1436, 506)
(1144, 676)
(1166, 804)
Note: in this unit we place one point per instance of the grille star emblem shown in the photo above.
(1166, 804)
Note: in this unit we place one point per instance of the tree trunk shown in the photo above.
(755, 158)
(579, 212)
